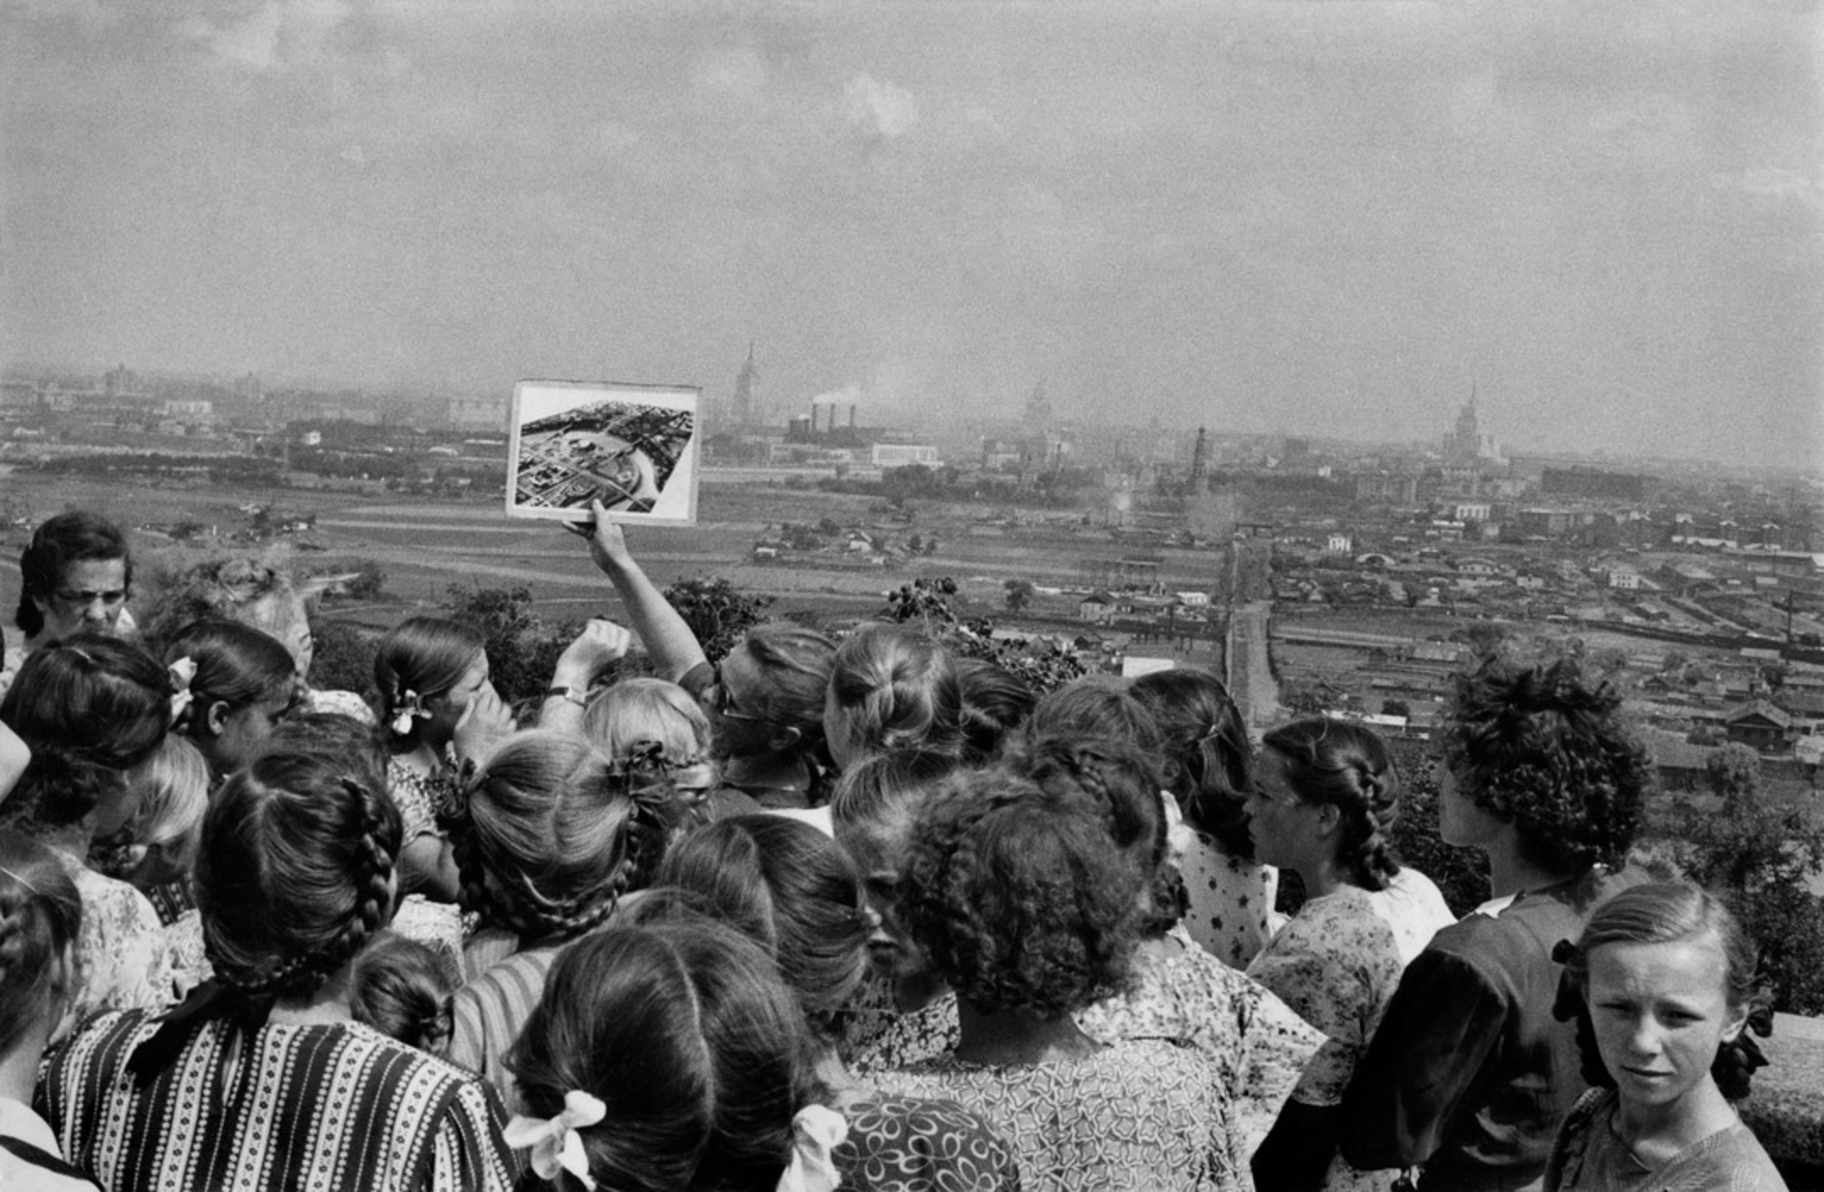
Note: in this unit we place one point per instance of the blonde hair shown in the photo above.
(173, 790)
(643, 713)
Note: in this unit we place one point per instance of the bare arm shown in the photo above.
(14, 756)
(598, 646)
(674, 649)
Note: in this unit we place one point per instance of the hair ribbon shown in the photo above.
(817, 1131)
(182, 672)
(555, 1144)
(409, 707)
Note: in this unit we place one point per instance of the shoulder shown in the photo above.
(698, 679)
(1732, 1159)
(341, 703)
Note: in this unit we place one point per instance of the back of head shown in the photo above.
(68, 538)
(553, 831)
(644, 714)
(1669, 913)
(797, 887)
(1343, 765)
(356, 744)
(1551, 751)
(89, 707)
(883, 789)
(401, 988)
(1209, 764)
(996, 703)
(40, 917)
(295, 872)
(1020, 898)
(894, 689)
(246, 588)
(236, 665)
(794, 665)
(419, 658)
(173, 790)
(685, 1032)
(1095, 706)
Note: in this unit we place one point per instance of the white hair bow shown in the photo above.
(816, 1132)
(182, 672)
(555, 1144)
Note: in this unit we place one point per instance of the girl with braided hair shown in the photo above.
(1324, 794)
(260, 1079)
(92, 707)
(549, 834)
(40, 916)
(1661, 986)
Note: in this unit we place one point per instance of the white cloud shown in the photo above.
(278, 35)
(734, 74)
(1771, 182)
(878, 110)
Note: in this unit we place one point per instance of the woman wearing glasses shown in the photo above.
(764, 699)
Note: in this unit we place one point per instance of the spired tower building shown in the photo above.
(743, 409)
(1467, 444)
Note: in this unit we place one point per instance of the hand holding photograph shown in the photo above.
(633, 447)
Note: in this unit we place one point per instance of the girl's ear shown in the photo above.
(1736, 1022)
(1329, 818)
(215, 717)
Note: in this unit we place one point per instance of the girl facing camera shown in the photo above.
(1660, 983)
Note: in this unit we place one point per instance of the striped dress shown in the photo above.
(291, 1106)
(487, 1014)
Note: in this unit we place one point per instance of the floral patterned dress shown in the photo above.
(438, 925)
(1336, 962)
(1231, 900)
(122, 956)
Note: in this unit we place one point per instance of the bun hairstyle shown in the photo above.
(40, 917)
(896, 689)
(1551, 751)
(73, 537)
(236, 665)
(798, 885)
(1666, 913)
(418, 659)
(293, 878)
(551, 832)
(89, 707)
(1208, 761)
(646, 715)
(996, 703)
(686, 1033)
(400, 988)
(1346, 766)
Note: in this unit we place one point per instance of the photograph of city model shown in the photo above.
(621, 452)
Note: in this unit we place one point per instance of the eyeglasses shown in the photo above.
(83, 597)
(718, 702)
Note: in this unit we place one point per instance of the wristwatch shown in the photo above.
(575, 695)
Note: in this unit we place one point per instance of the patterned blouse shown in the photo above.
(121, 950)
(1231, 900)
(1135, 1117)
(1256, 1044)
(319, 1106)
(1337, 963)
(905, 1144)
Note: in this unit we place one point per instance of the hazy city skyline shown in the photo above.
(1329, 218)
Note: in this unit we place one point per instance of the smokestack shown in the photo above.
(813, 419)
(851, 415)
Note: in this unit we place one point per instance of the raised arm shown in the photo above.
(674, 649)
(601, 644)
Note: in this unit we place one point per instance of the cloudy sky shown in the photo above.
(1260, 215)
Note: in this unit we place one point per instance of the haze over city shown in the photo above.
(1324, 218)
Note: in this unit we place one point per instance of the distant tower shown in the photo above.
(1200, 461)
(741, 405)
(1038, 409)
(1468, 434)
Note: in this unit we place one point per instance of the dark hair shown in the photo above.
(996, 702)
(1095, 706)
(899, 690)
(795, 662)
(236, 665)
(1551, 752)
(420, 658)
(401, 988)
(1345, 766)
(356, 744)
(72, 537)
(90, 707)
(1209, 766)
(1017, 898)
(552, 831)
(40, 918)
(294, 874)
(1667, 913)
(686, 1033)
(216, 589)
(799, 886)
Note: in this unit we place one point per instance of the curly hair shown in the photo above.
(1667, 913)
(90, 707)
(1017, 897)
(73, 537)
(686, 1033)
(894, 689)
(250, 589)
(1348, 767)
(40, 918)
(551, 832)
(1209, 765)
(1544, 748)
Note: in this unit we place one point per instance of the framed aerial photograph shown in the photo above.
(632, 446)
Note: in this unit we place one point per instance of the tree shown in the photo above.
(926, 600)
(1461, 874)
(1759, 858)
(522, 647)
(1395, 707)
(717, 611)
(1019, 594)
(369, 581)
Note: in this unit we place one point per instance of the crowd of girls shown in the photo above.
(815, 914)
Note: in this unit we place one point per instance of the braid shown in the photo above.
(1373, 857)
